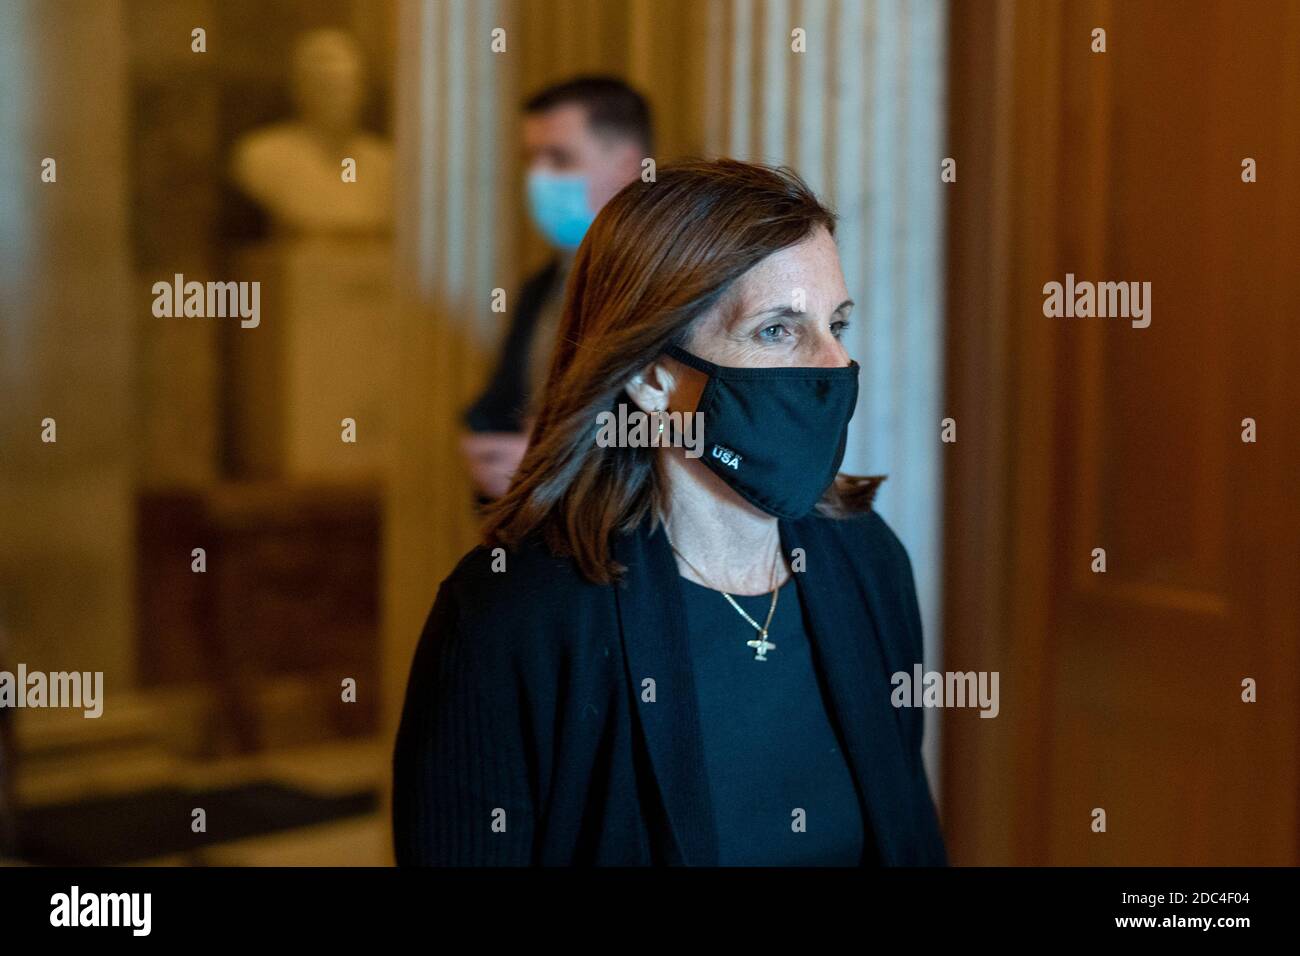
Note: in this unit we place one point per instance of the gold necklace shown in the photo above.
(761, 645)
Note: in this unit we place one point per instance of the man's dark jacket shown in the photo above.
(552, 721)
(501, 405)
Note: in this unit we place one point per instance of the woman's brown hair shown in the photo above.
(657, 256)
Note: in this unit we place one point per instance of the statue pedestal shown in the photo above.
(323, 352)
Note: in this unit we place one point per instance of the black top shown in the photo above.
(782, 791)
(553, 721)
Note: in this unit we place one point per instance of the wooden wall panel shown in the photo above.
(1122, 690)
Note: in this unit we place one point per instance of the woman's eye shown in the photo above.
(774, 333)
(838, 328)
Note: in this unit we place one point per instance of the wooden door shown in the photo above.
(1122, 690)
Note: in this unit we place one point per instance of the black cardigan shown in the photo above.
(552, 721)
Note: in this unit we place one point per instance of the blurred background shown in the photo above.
(214, 156)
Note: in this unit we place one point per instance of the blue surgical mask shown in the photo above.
(558, 205)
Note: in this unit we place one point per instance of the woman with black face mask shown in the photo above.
(665, 652)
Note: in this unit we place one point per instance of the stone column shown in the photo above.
(860, 115)
(66, 342)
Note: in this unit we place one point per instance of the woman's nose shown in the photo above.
(830, 352)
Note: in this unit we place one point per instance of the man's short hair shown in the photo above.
(613, 107)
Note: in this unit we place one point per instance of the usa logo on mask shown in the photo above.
(727, 457)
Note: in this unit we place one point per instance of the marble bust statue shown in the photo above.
(295, 170)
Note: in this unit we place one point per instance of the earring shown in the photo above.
(661, 421)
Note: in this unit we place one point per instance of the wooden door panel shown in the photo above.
(1126, 686)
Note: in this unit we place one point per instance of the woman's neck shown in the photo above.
(728, 544)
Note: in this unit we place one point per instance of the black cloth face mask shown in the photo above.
(775, 435)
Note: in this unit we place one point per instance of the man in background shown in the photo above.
(584, 140)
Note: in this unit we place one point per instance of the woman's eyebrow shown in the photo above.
(777, 311)
(789, 311)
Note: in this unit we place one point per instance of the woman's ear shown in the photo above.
(651, 387)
